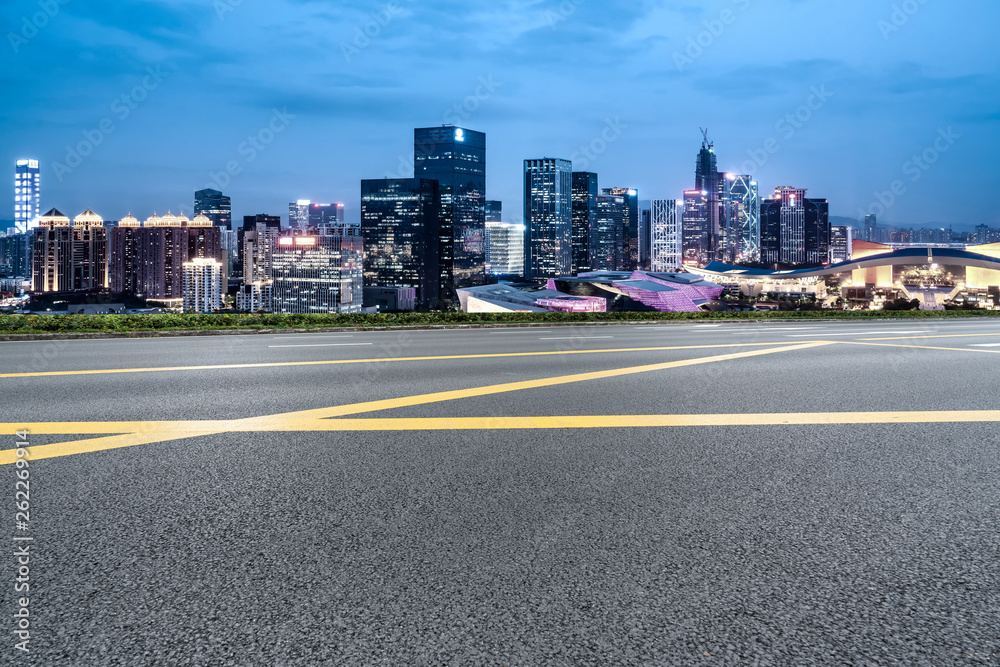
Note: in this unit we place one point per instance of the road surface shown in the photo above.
(737, 493)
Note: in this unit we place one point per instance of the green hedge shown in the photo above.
(128, 323)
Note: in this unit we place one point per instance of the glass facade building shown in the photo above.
(215, 206)
(665, 248)
(629, 253)
(400, 221)
(695, 241)
(742, 214)
(456, 158)
(27, 194)
(494, 211)
(548, 218)
(318, 273)
(607, 236)
(585, 193)
(794, 230)
(504, 249)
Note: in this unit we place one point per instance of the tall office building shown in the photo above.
(694, 228)
(251, 232)
(504, 249)
(742, 220)
(794, 230)
(298, 214)
(400, 221)
(494, 211)
(318, 272)
(585, 193)
(148, 259)
(871, 225)
(202, 285)
(69, 257)
(215, 206)
(629, 255)
(27, 194)
(710, 181)
(666, 252)
(548, 218)
(325, 214)
(15, 255)
(841, 242)
(607, 237)
(456, 158)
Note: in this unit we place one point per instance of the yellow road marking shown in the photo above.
(163, 431)
(328, 362)
(935, 336)
(139, 433)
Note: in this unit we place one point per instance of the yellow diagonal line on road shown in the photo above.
(438, 397)
(333, 362)
(139, 433)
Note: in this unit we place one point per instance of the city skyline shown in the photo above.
(875, 91)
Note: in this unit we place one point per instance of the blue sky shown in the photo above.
(331, 92)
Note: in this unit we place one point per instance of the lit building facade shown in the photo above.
(147, 259)
(794, 229)
(318, 273)
(27, 194)
(548, 218)
(203, 284)
(607, 236)
(666, 252)
(694, 228)
(504, 248)
(215, 206)
(256, 229)
(400, 221)
(585, 193)
(741, 204)
(841, 240)
(15, 255)
(628, 255)
(69, 257)
(456, 158)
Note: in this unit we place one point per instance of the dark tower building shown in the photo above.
(645, 238)
(607, 248)
(629, 253)
(707, 179)
(548, 218)
(456, 158)
(400, 224)
(585, 193)
(215, 206)
(494, 211)
(794, 230)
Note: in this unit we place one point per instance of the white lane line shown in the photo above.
(521, 331)
(859, 333)
(310, 337)
(985, 345)
(576, 338)
(326, 345)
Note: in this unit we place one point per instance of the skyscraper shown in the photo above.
(27, 194)
(548, 218)
(645, 238)
(504, 248)
(69, 257)
(585, 193)
(456, 158)
(871, 224)
(742, 214)
(215, 206)
(494, 211)
(666, 253)
(400, 221)
(607, 236)
(318, 273)
(794, 230)
(629, 256)
(712, 183)
(694, 228)
(840, 243)
(298, 214)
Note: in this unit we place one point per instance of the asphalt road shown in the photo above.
(831, 499)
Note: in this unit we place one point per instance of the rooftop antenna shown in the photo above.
(706, 142)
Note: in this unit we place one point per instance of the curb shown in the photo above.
(188, 333)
